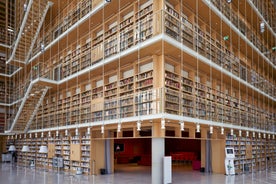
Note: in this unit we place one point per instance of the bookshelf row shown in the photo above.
(131, 91)
(74, 150)
(198, 38)
(252, 33)
(7, 35)
(70, 15)
(255, 153)
(118, 35)
(267, 10)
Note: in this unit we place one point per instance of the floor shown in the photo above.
(131, 174)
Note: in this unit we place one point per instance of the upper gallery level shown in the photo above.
(104, 31)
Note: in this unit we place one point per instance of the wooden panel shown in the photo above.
(98, 155)
(218, 156)
(51, 150)
(248, 151)
(75, 150)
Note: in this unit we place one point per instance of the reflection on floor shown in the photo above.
(130, 174)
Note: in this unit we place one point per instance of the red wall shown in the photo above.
(138, 147)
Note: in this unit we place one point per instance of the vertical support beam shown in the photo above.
(120, 134)
(108, 159)
(158, 153)
(135, 132)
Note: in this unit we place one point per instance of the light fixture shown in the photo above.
(240, 133)
(15, 136)
(119, 127)
(102, 129)
(232, 132)
(43, 149)
(25, 148)
(259, 134)
(36, 135)
(12, 148)
(108, 1)
(77, 131)
(222, 130)
(10, 30)
(247, 133)
(262, 27)
(211, 129)
(57, 132)
(182, 126)
(49, 134)
(264, 135)
(66, 132)
(229, 1)
(42, 47)
(163, 123)
(88, 131)
(197, 128)
(268, 136)
(138, 125)
(273, 136)
(30, 135)
(25, 7)
(253, 134)
(42, 134)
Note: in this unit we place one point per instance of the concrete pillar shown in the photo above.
(158, 152)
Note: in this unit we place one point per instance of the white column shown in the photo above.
(157, 154)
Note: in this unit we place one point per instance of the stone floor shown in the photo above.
(127, 174)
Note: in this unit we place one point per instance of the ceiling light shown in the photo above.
(211, 129)
(197, 128)
(240, 133)
(182, 126)
(262, 27)
(138, 125)
(163, 123)
(102, 129)
(77, 131)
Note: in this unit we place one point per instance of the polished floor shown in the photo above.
(130, 174)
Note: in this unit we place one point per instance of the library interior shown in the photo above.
(90, 86)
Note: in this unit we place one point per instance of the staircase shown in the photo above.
(34, 15)
(28, 107)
